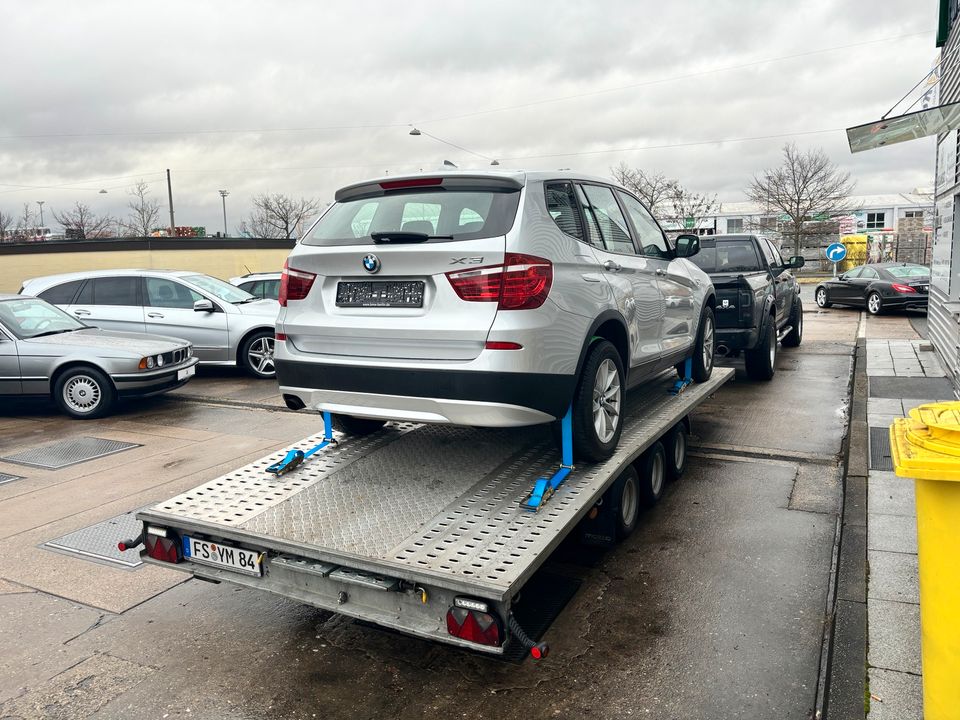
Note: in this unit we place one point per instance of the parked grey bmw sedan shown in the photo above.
(225, 325)
(46, 352)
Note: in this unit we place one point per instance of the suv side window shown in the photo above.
(562, 206)
(602, 205)
(169, 294)
(650, 236)
(120, 290)
(61, 294)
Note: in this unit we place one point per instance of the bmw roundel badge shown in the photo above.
(371, 263)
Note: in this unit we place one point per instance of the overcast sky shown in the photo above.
(303, 97)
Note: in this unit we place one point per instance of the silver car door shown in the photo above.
(110, 302)
(678, 287)
(9, 365)
(630, 275)
(169, 311)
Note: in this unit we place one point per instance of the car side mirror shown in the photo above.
(796, 261)
(203, 306)
(687, 246)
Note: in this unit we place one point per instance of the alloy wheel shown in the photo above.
(260, 356)
(629, 501)
(821, 297)
(873, 303)
(606, 401)
(773, 348)
(82, 394)
(708, 345)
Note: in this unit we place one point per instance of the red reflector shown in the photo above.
(903, 288)
(161, 548)
(294, 284)
(281, 336)
(410, 182)
(122, 547)
(474, 626)
(522, 282)
(501, 345)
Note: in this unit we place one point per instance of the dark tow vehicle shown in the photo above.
(758, 299)
(878, 287)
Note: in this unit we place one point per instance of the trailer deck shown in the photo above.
(411, 515)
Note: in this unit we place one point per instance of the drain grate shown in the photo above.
(68, 452)
(880, 449)
(7, 477)
(99, 542)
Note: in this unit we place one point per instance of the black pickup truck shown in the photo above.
(758, 299)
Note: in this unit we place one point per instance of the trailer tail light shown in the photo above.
(294, 284)
(166, 549)
(474, 625)
(522, 282)
(903, 288)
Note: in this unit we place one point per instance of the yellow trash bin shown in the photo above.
(926, 447)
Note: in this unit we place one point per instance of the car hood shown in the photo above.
(107, 340)
(264, 308)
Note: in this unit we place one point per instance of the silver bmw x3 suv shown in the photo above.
(492, 299)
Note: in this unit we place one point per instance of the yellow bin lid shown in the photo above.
(927, 444)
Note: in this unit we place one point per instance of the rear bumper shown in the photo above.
(737, 339)
(905, 302)
(487, 399)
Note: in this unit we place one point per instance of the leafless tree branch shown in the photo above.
(276, 215)
(81, 218)
(144, 211)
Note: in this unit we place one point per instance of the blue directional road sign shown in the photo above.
(836, 252)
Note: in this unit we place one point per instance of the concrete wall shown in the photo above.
(220, 258)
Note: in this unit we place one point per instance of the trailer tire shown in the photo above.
(625, 494)
(652, 467)
(676, 449)
(602, 359)
(356, 426)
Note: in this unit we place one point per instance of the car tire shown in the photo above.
(822, 298)
(602, 376)
(675, 446)
(761, 361)
(652, 468)
(356, 426)
(256, 355)
(795, 336)
(84, 392)
(874, 303)
(625, 495)
(705, 346)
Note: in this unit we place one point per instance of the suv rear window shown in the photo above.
(733, 255)
(444, 215)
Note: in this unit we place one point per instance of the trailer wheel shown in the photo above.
(356, 426)
(625, 493)
(676, 449)
(652, 468)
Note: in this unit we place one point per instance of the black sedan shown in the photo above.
(878, 287)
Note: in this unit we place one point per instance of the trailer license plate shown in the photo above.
(186, 372)
(380, 293)
(220, 555)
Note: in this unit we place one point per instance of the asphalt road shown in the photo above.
(714, 608)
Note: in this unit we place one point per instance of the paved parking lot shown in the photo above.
(714, 608)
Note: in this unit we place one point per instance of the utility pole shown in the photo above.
(40, 203)
(173, 231)
(223, 196)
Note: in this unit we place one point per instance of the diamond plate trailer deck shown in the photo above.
(391, 527)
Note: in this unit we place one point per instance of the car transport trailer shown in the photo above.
(420, 528)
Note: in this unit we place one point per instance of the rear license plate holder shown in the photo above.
(380, 294)
(219, 555)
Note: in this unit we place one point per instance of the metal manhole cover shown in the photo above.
(68, 452)
(7, 477)
(99, 542)
(880, 458)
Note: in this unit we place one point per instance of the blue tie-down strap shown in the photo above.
(680, 385)
(295, 458)
(544, 487)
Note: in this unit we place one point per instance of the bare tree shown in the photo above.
(6, 221)
(276, 215)
(653, 189)
(806, 186)
(689, 209)
(26, 221)
(81, 218)
(144, 211)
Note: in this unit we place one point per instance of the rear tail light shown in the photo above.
(502, 345)
(522, 282)
(294, 284)
(483, 628)
(903, 288)
(166, 549)
(280, 336)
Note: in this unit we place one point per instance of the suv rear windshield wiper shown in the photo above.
(399, 236)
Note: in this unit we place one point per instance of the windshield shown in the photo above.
(220, 289)
(720, 256)
(441, 215)
(908, 271)
(32, 317)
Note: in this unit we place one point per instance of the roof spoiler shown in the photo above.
(424, 182)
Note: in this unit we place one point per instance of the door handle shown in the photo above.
(590, 277)
(154, 315)
(611, 266)
(81, 312)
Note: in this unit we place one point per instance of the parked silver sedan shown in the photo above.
(45, 351)
(225, 325)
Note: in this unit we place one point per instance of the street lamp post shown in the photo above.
(40, 203)
(223, 197)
